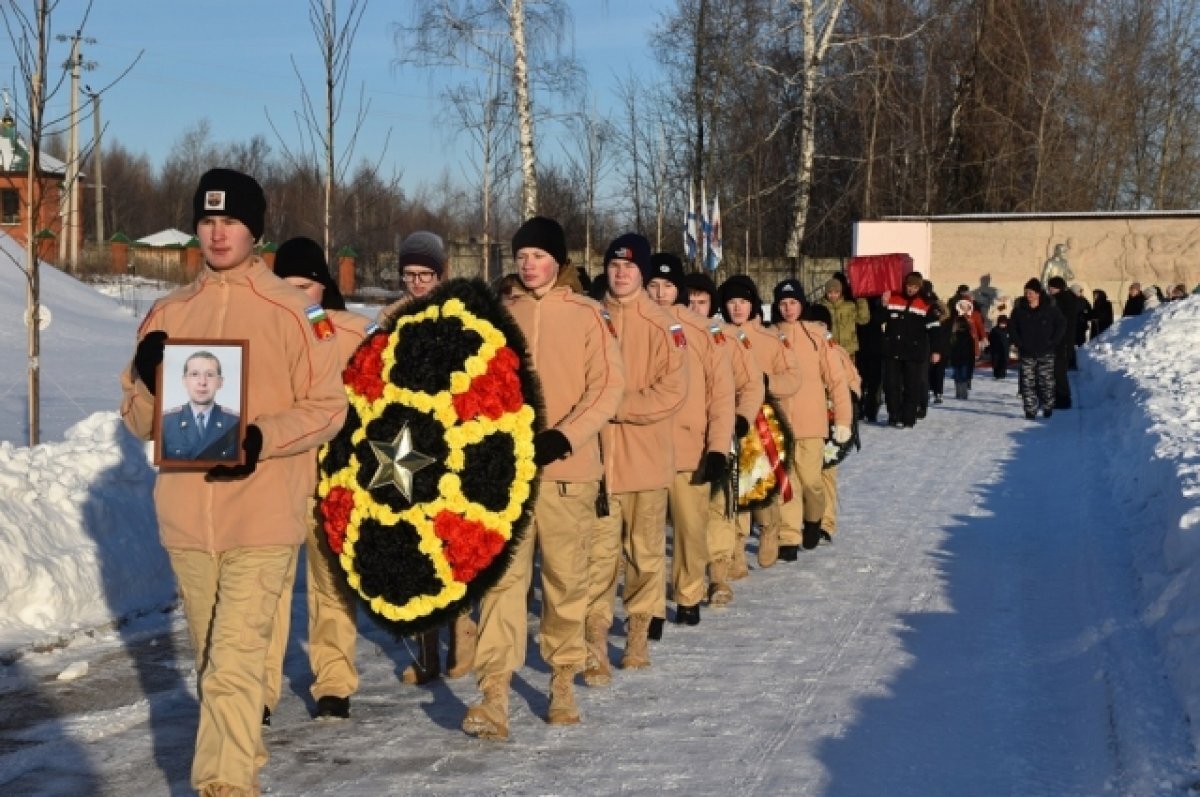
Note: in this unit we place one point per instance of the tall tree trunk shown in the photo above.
(529, 188)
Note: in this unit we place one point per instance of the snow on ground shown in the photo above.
(1010, 608)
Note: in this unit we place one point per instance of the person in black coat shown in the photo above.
(910, 323)
(869, 358)
(1085, 319)
(1037, 328)
(1136, 303)
(998, 346)
(1102, 313)
(1068, 305)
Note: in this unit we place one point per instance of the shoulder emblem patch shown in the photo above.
(718, 335)
(612, 330)
(678, 336)
(787, 344)
(745, 339)
(322, 326)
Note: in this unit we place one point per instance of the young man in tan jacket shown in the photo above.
(749, 394)
(703, 431)
(232, 533)
(823, 382)
(742, 307)
(638, 463)
(576, 357)
(332, 631)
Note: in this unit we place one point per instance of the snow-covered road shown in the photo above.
(973, 630)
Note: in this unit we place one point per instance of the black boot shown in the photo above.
(656, 628)
(788, 553)
(811, 534)
(687, 615)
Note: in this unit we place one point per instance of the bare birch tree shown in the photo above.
(463, 33)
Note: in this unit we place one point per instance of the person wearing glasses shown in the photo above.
(422, 263)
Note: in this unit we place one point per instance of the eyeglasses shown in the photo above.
(422, 277)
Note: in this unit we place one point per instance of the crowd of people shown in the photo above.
(650, 377)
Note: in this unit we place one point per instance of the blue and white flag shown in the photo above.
(690, 227)
(714, 244)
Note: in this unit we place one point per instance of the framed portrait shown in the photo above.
(198, 410)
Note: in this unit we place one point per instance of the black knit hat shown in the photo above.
(423, 248)
(1057, 283)
(789, 289)
(702, 282)
(818, 312)
(1034, 284)
(739, 286)
(542, 233)
(634, 248)
(224, 192)
(303, 257)
(664, 265)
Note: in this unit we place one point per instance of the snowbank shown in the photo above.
(78, 539)
(1145, 373)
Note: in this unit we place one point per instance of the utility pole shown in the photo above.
(68, 244)
(97, 177)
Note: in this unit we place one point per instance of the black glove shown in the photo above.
(252, 445)
(550, 445)
(148, 357)
(715, 464)
(740, 426)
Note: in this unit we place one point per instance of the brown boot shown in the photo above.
(488, 719)
(768, 545)
(598, 671)
(719, 591)
(737, 563)
(637, 648)
(563, 710)
(460, 659)
(428, 665)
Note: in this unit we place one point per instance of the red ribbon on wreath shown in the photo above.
(772, 452)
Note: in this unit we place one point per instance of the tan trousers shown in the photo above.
(229, 600)
(688, 504)
(332, 632)
(722, 531)
(563, 516)
(829, 521)
(808, 489)
(766, 518)
(633, 533)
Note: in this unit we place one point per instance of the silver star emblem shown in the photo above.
(398, 463)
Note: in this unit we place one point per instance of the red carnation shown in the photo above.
(335, 509)
(469, 545)
(494, 392)
(364, 374)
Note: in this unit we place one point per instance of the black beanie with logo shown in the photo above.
(224, 192)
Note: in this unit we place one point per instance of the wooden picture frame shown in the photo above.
(201, 383)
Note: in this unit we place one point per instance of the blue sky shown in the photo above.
(229, 61)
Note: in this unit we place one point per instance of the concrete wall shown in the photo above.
(1105, 251)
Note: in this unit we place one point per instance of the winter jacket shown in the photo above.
(1102, 314)
(1134, 305)
(962, 342)
(774, 359)
(705, 421)
(999, 343)
(847, 314)
(575, 354)
(1036, 330)
(823, 381)
(294, 395)
(749, 390)
(638, 450)
(912, 322)
(1068, 305)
